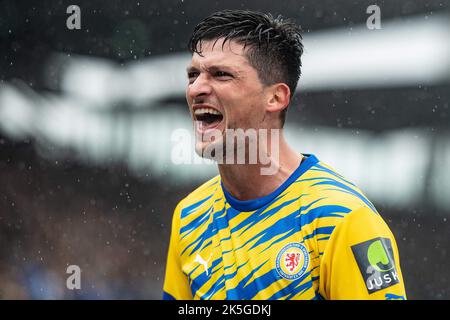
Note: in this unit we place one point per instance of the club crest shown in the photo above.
(292, 261)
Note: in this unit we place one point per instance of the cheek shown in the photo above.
(187, 96)
(242, 106)
(254, 110)
(247, 117)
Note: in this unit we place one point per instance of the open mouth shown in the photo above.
(207, 118)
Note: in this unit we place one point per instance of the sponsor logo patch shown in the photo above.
(375, 260)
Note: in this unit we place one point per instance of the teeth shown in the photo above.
(206, 110)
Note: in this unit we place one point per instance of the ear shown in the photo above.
(278, 97)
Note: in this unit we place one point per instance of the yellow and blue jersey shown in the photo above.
(316, 237)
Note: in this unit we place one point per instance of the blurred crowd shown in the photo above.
(55, 214)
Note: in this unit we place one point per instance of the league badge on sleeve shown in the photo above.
(375, 260)
(292, 261)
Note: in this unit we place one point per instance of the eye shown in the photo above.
(192, 75)
(222, 74)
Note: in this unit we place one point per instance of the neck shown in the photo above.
(245, 181)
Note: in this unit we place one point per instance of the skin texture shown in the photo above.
(222, 78)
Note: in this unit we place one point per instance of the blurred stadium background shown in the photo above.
(87, 116)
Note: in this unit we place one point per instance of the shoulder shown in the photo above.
(338, 207)
(328, 200)
(192, 212)
(197, 198)
(322, 183)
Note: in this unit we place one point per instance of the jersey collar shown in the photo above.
(254, 204)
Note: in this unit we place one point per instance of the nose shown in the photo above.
(200, 87)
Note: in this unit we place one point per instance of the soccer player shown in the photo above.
(302, 231)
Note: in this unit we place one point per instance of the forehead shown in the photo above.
(215, 52)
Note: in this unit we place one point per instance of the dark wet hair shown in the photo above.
(274, 44)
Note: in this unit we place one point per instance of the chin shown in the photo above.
(208, 150)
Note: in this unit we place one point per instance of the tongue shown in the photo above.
(204, 125)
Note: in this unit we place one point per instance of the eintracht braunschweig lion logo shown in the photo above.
(292, 261)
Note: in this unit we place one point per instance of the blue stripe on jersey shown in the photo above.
(219, 284)
(321, 230)
(319, 167)
(207, 244)
(322, 212)
(189, 209)
(222, 221)
(193, 270)
(346, 188)
(259, 215)
(265, 281)
(293, 222)
(232, 275)
(197, 222)
(319, 296)
(300, 289)
(167, 296)
(201, 279)
(243, 290)
(210, 231)
(228, 267)
(293, 288)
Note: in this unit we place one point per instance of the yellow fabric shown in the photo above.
(175, 279)
(340, 275)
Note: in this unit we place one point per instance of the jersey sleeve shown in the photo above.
(361, 260)
(176, 283)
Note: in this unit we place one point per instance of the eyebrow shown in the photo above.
(190, 69)
(213, 68)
